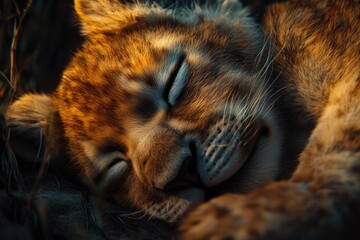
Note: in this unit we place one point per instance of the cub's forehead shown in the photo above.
(142, 50)
(144, 55)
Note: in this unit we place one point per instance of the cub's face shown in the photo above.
(168, 108)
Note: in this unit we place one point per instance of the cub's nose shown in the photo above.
(187, 175)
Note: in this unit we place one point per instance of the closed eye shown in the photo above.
(177, 81)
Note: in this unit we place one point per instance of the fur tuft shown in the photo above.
(107, 15)
(30, 114)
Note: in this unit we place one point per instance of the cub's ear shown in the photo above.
(28, 119)
(30, 114)
(107, 15)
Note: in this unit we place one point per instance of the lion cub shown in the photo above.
(162, 106)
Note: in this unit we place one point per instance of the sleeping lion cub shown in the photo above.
(166, 108)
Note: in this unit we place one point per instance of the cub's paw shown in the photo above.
(281, 210)
(221, 218)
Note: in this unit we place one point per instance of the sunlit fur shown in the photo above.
(111, 103)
